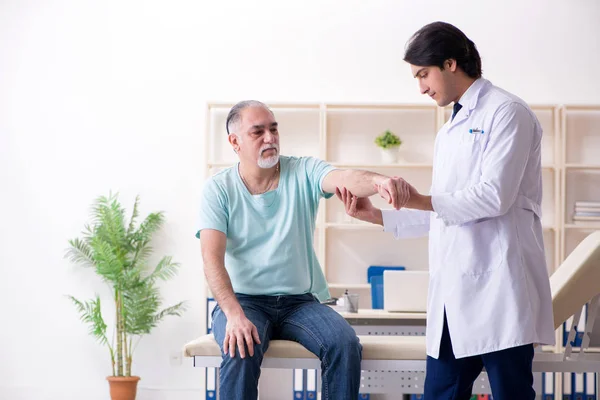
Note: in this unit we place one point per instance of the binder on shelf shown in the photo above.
(567, 386)
(364, 396)
(547, 386)
(298, 384)
(578, 386)
(211, 373)
(211, 383)
(590, 386)
(311, 384)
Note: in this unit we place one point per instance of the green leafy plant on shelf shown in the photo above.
(388, 140)
(118, 251)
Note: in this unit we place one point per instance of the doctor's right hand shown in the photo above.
(359, 207)
(395, 190)
(240, 330)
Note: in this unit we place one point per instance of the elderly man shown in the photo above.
(256, 231)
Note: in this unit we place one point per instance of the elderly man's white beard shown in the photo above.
(271, 161)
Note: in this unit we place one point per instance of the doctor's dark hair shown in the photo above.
(235, 114)
(439, 41)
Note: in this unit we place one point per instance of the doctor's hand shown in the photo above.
(418, 201)
(396, 191)
(238, 330)
(359, 207)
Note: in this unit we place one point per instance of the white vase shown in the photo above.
(390, 155)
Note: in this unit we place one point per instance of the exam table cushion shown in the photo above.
(374, 348)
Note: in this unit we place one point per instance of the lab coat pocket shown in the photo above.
(478, 247)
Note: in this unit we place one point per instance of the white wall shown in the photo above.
(110, 96)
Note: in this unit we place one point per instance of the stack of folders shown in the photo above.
(579, 386)
(587, 211)
(305, 384)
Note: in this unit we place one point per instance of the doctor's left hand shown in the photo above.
(395, 190)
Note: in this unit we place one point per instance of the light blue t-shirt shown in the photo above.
(269, 236)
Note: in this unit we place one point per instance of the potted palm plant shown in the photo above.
(119, 252)
(389, 145)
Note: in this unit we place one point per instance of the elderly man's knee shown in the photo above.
(352, 343)
(346, 342)
(237, 363)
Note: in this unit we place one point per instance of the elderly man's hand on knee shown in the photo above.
(239, 329)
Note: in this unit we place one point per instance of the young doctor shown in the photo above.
(489, 294)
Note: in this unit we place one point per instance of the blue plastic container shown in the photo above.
(375, 278)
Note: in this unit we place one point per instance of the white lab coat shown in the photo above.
(486, 254)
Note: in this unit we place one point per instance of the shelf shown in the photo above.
(379, 166)
(581, 107)
(273, 105)
(588, 350)
(582, 166)
(341, 165)
(379, 107)
(583, 227)
(350, 286)
(367, 226)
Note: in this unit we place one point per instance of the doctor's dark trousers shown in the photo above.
(509, 372)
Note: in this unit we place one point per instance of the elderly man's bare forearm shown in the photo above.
(213, 245)
(221, 288)
(360, 183)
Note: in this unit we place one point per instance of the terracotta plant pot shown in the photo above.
(123, 387)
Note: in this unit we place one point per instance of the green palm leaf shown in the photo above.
(134, 215)
(90, 312)
(80, 252)
(176, 310)
(165, 269)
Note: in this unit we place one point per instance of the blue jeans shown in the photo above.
(300, 318)
(509, 372)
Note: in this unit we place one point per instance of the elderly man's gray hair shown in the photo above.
(235, 114)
